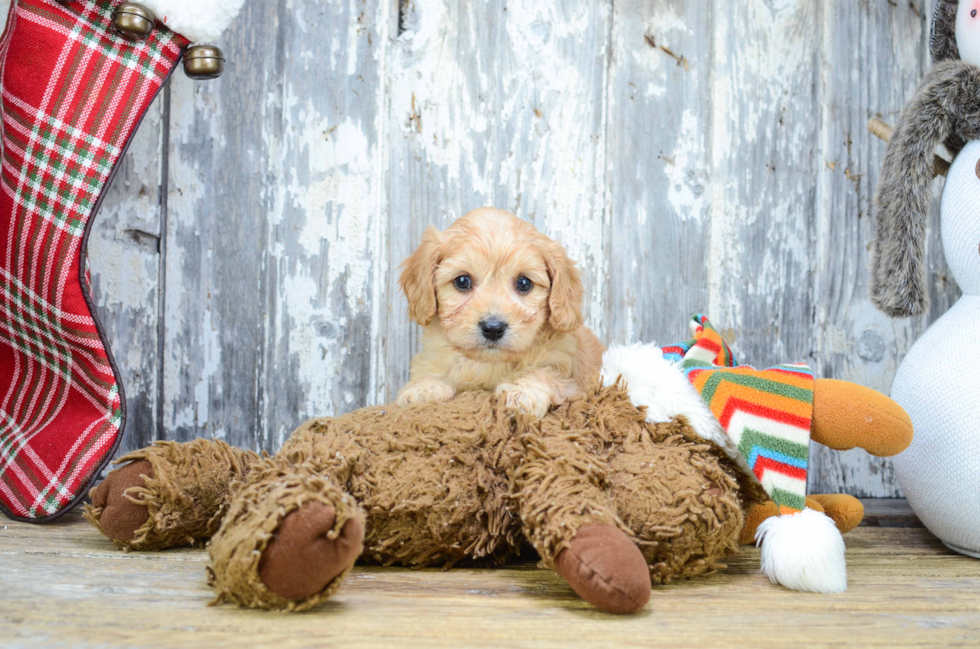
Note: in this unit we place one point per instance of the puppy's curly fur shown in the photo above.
(944, 110)
(500, 305)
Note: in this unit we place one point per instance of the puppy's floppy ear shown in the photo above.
(565, 299)
(417, 280)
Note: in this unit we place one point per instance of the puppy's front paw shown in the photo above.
(425, 391)
(533, 399)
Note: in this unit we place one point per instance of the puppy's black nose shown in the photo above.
(493, 329)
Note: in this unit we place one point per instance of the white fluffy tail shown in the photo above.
(803, 551)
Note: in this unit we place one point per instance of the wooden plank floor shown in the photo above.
(63, 585)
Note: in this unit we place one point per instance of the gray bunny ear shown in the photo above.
(942, 39)
(898, 273)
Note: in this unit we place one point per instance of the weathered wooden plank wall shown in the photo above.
(693, 156)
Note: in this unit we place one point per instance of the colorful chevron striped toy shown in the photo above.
(766, 413)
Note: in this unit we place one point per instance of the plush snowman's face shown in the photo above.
(968, 31)
(960, 216)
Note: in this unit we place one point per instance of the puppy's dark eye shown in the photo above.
(523, 284)
(463, 282)
(973, 14)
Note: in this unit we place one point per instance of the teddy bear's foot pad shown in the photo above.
(120, 517)
(304, 557)
(606, 569)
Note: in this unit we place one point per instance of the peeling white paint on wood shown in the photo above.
(658, 173)
(878, 54)
(693, 156)
(124, 255)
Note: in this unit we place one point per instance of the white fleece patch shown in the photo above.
(201, 21)
(803, 551)
(660, 385)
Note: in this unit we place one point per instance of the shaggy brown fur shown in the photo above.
(945, 110)
(472, 480)
(185, 492)
(276, 487)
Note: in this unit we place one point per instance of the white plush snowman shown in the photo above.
(940, 471)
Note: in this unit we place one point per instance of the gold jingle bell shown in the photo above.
(133, 22)
(203, 62)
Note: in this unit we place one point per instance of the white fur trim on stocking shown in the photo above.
(201, 21)
(661, 386)
(803, 551)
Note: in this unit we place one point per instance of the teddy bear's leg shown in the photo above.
(571, 522)
(682, 501)
(291, 533)
(309, 551)
(846, 511)
(606, 568)
(847, 415)
(167, 494)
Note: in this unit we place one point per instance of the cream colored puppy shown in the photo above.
(501, 308)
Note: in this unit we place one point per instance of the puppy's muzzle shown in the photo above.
(493, 329)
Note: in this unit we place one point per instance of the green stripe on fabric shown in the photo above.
(59, 358)
(788, 499)
(31, 309)
(757, 383)
(27, 469)
(752, 438)
(82, 151)
(53, 496)
(54, 353)
(52, 362)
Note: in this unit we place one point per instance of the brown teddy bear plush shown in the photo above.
(614, 490)
(608, 500)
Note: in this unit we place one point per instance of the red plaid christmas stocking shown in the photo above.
(73, 94)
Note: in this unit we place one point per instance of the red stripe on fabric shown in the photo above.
(764, 464)
(735, 404)
(710, 345)
(783, 370)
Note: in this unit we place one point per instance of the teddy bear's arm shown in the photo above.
(570, 520)
(291, 532)
(558, 491)
(167, 494)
